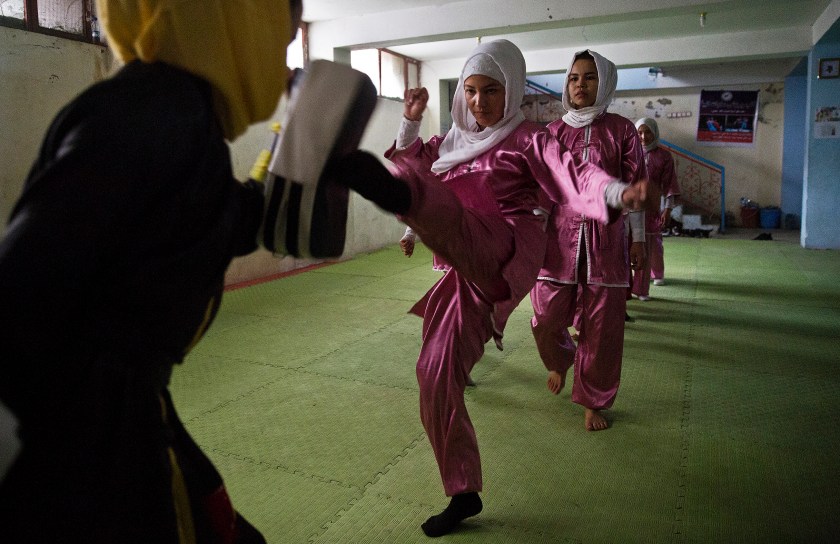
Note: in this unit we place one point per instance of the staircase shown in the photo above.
(702, 184)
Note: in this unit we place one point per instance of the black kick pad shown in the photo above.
(305, 208)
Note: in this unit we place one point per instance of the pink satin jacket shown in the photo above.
(662, 173)
(612, 143)
(508, 180)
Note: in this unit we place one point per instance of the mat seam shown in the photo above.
(678, 534)
(393, 462)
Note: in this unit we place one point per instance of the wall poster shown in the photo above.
(827, 123)
(727, 118)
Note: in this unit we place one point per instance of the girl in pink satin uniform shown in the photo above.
(586, 262)
(662, 174)
(475, 203)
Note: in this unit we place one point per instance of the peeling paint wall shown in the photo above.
(753, 172)
(40, 74)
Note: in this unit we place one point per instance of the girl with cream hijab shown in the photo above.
(663, 174)
(586, 261)
(113, 267)
(473, 199)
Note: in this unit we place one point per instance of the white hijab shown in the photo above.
(651, 124)
(496, 59)
(607, 80)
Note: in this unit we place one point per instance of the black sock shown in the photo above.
(460, 508)
(363, 173)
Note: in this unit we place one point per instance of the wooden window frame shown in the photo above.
(31, 24)
(406, 62)
(304, 38)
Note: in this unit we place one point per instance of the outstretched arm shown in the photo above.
(585, 187)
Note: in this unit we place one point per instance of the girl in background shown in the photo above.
(663, 175)
(586, 262)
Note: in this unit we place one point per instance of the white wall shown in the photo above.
(38, 75)
(368, 228)
(754, 172)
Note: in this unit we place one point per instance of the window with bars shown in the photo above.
(76, 19)
(392, 74)
(72, 19)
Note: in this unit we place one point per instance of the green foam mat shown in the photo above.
(304, 395)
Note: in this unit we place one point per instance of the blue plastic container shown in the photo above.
(769, 218)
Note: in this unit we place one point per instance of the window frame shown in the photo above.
(304, 38)
(32, 24)
(406, 62)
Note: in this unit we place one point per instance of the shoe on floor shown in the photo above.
(659, 282)
(644, 298)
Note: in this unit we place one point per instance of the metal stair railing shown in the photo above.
(703, 190)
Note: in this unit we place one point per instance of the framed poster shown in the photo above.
(727, 118)
(827, 123)
(829, 68)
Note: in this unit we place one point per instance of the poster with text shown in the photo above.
(727, 118)
(827, 123)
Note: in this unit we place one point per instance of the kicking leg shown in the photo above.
(460, 508)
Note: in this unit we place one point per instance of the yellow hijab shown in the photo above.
(238, 46)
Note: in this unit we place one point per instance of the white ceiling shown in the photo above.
(632, 33)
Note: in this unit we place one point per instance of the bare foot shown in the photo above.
(594, 420)
(556, 381)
